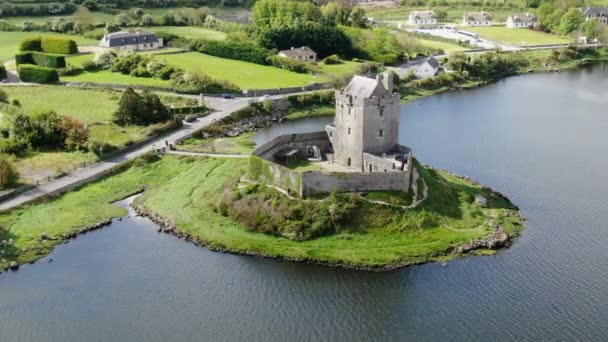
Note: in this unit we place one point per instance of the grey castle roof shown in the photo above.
(129, 38)
(360, 86)
(595, 12)
(478, 16)
(523, 18)
(303, 51)
(423, 15)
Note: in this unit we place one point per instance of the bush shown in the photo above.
(37, 74)
(31, 44)
(12, 146)
(292, 64)
(2, 72)
(59, 45)
(3, 96)
(333, 59)
(8, 174)
(248, 52)
(75, 133)
(41, 59)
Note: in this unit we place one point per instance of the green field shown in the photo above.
(186, 191)
(344, 69)
(106, 76)
(243, 74)
(518, 37)
(9, 41)
(446, 47)
(229, 145)
(190, 32)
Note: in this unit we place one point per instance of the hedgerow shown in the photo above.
(37, 74)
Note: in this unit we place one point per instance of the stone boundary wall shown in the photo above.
(280, 91)
(297, 141)
(314, 182)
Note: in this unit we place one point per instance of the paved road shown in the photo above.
(222, 107)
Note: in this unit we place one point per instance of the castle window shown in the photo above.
(330, 134)
(382, 111)
(371, 168)
(348, 130)
(348, 162)
(381, 133)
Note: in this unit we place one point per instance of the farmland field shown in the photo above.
(9, 41)
(243, 74)
(190, 32)
(506, 35)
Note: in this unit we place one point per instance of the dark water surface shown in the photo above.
(540, 139)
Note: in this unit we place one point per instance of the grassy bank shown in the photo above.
(187, 190)
(519, 37)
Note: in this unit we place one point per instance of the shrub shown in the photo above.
(333, 59)
(292, 64)
(248, 52)
(59, 45)
(140, 109)
(31, 44)
(3, 96)
(75, 133)
(41, 59)
(2, 72)
(12, 146)
(8, 174)
(37, 74)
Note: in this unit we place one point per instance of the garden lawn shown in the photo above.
(187, 190)
(87, 105)
(344, 69)
(9, 41)
(243, 74)
(446, 47)
(190, 32)
(518, 37)
(41, 165)
(108, 77)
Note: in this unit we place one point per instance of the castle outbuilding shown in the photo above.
(359, 152)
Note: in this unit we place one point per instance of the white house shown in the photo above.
(421, 68)
(417, 18)
(139, 40)
(302, 54)
(522, 20)
(596, 13)
(477, 19)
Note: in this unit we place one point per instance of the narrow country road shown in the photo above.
(223, 108)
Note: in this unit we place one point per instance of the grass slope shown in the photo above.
(187, 190)
(506, 35)
(190, 32)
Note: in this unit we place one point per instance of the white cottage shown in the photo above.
(522, 20)
(139, 40)
(477, 19)
(418, 18)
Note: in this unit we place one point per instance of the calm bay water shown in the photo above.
(540, 139)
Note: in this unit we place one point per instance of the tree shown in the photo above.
(153, 110)
(571, 21)
(591, 29)
(147, 20)
(28, 25)
(458, 62)
(123, 20)
(111, 27)
(442, 15)
(90, 4)
(128, 108)
(8, 174)
(75, 133)
(83, 19)
(357, 18)
(136, 13)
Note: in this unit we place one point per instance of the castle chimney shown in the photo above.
(386, 78)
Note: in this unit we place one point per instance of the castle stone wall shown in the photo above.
(294, 141)
(315, 182)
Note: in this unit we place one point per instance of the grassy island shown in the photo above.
(205, 201)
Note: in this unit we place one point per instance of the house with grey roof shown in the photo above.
(599, 14)
(302, 54)
(421, 68)
(139, 40)
(477, 19)
(522, 20)
(420, 18)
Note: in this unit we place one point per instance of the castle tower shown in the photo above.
(367, 120)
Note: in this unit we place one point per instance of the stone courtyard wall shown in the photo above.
(314, 182)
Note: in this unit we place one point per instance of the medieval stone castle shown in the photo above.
(359, 152)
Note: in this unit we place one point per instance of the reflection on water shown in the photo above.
(540, 139)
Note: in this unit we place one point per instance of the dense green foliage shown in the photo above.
(46, 60)
(315, 98)
(31, 44)
(144, 109)
(2, 72)
(244, 51)
(58, 45)
(37, 74)
(8, 174)
(292, 64)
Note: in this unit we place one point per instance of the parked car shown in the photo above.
(264, 98)
(191, 118)
(227, 96)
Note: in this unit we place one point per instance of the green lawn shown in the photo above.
(446, 47)
(40, 165)
(521, 37)
(87, 105)
(9, 41)
(187, 191)
(190, 32)
(302, 165)
(344, 69)
(106, 76)
(230, 145)
(243, 74)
